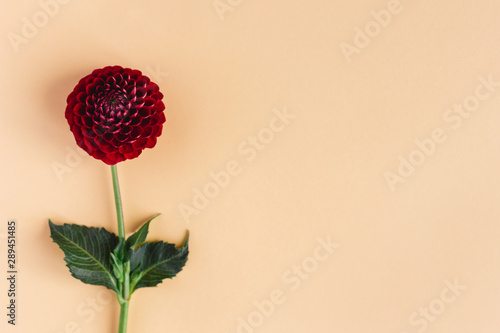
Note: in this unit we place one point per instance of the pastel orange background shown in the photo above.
(390, 151)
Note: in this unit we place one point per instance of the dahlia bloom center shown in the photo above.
(112, 108)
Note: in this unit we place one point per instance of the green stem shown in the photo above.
(123, 317)
(125, 286)
(126, 282)
(118, 202)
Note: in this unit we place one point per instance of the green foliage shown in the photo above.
(87, 252)
(97, 256)
(139, 237)
(153, 262)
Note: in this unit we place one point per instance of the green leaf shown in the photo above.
(154, 262)
(117, 268)
(140, 235)
(87, 252)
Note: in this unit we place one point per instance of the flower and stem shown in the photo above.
(115, 113)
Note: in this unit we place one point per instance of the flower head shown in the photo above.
(114, 113)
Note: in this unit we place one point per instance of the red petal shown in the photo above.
(145, 121)
(135, 121)
(79, 109)
(140, 143)
(136, 132)
(125, 130)
(142, 82)
(149, 101)
(144, 112)
(152, 88)
(133, 154)
(161, 117)
(81, 97)
(147, 132)
(121, 137)
(151, 142)
(160, 106)
(126, 148)
(140, 92)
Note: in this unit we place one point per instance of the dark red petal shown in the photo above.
(133, 111)
(152, 88)
(81, 97)
(131, 90)
(147, 132)
(90, 89)
(126, 121)
(160, 106)
(99, 154)
(157, 130)
(133, 154)
(151, 142)
(161, 117)
(111, 81)
(87, 132)
(144, 112)
(145, 121)
(89, 143)
(78, 134)
(154, 121)
(108, 137)
(142, 82)
(126, 148)
(118, 77)
(121, 137)
(140, 143)
(140, 92)
(125, 130)
(78, 121)
(139, 102)
(114, 129)
(160, 128)
(136, 132)
(86, 80)
(99, 138)
(135, 121)
(87, 121)
(149, 101)
(71, 97)
(135, 74)
(79, 109)
(157, 96)
(98, 81)
(112, 159)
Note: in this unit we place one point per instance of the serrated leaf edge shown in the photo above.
(52, 226)
(142, 273)
(143, 229)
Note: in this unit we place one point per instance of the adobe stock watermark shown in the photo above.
(453, 118)
(429, 313)
(156, 74)
(86, 312)
(222, 7)
(293, 279)
(363, 36)
(31, 25)
(73, 159)
(248, 149)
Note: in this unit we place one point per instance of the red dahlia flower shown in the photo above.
(114, 113)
